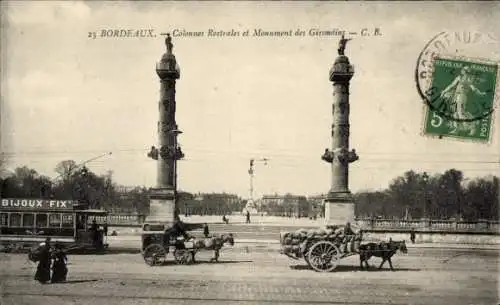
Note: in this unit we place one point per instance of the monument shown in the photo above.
(163, 197)
(339, 202)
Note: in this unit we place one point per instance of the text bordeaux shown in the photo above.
(37, 204)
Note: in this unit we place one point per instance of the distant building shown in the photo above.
(317, 203)
(210, 204)
(285, 205)
(128, 202)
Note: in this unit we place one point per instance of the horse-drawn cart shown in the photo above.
(156, 253)
(155, 249)
(321, 249)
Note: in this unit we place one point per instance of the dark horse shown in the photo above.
(384, 250)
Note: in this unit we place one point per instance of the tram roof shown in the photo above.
(92, 211)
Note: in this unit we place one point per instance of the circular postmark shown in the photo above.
(456, 75)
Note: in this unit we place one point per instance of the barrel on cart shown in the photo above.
(321, 249)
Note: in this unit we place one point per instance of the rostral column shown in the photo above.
(339, 203)
(163, 198)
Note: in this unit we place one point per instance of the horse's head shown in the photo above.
(228, 239)
(399, 245)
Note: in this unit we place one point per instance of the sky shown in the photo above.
(67, 96)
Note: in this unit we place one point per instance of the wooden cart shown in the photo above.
(155, 250)
(322, 253)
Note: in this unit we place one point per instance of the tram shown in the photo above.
(25, 223)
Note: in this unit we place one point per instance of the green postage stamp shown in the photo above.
(461, 98)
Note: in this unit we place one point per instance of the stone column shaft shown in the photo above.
(166, 167)
(340, 136)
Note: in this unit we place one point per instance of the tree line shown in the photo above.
(73, 183)
(441, 196)
(412, 195)
(78, 183)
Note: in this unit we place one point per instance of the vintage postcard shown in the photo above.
(249, 152)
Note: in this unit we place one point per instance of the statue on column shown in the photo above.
(342, 44)
(168, 43)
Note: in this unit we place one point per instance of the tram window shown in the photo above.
(4, 217)
(28, 220)
(41, 220)
(67, 221)
(15, 220)
(55, 220)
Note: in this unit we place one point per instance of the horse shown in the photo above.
(218, 243)
(384, 250)
(215, 243)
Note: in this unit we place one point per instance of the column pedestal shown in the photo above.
(162, 206)
(339, 209)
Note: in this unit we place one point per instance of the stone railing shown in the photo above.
(431, 225)
(122, 219)
(421, 225)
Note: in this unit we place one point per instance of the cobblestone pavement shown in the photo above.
(423, 276)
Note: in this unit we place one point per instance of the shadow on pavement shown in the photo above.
(223, 262)
(198, 262)
(77, 281)
(347, 268)
(107, 252)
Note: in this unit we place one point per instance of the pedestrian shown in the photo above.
(105, 228)
(412, 236)
(44, 259)
(94, 230)
(59, 266)
(205, 230)
(105, 231)
(248, 217)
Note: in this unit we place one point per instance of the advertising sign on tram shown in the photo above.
(36, 204)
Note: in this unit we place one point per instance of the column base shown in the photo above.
(339, 209)
(162, 206)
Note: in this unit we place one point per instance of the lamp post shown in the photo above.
(178, 155)
(82, 164)
(426, 190)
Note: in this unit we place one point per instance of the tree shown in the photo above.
(25, 182)
(65, 168)
(450, 194)
(481, 199)
(375, 204)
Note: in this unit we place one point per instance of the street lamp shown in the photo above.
(425, 177)
(83, 164)
(52, 181)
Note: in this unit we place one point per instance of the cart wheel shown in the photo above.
(323, 256)
(183, 257)
(155, 254)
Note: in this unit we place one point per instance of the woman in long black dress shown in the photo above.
(59, 269)
(44, 259)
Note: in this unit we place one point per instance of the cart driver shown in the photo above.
(177, 229)
(348, 230)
